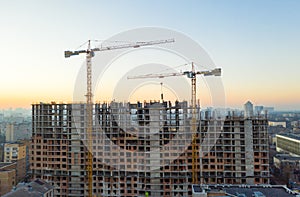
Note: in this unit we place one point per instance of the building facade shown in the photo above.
(16, 153)
(288, 143)
(7, 177)
(240, 154)
(248, 109)
(9, 132)
(283, 160)
(145, 148)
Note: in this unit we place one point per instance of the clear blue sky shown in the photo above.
(256, 42)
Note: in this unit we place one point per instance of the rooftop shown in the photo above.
(247, 190)
(35, 188)
(3, 165)
(16, 143)
(289, 135)
(286, 157)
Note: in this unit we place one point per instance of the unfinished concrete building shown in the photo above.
(240, 154)
(144, 148)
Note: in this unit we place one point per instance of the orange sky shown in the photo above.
(234, 97)
(259, 53)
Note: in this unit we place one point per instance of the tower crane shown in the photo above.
(192, 75)
(90, 52)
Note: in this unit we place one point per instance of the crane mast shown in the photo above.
(89, 112)
(192, 75)
(89, 101)
(194, 129)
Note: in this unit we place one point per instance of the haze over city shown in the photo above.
(256, 43)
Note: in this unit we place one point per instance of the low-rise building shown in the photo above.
(288, 143)
(274, 124)
(295, 124)
(36, 188)
(283, 160)
(7, 177)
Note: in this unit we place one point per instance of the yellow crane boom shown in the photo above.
(89, 102)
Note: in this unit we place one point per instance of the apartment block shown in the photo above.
(144, 148)
(16, 153)
(57, 154)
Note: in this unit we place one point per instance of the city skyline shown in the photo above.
(254, 42)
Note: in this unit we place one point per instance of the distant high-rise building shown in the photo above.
(16, 153)
(22, 130)
(248, 110)
(9, 134)
(258, 110)
(141, 149)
